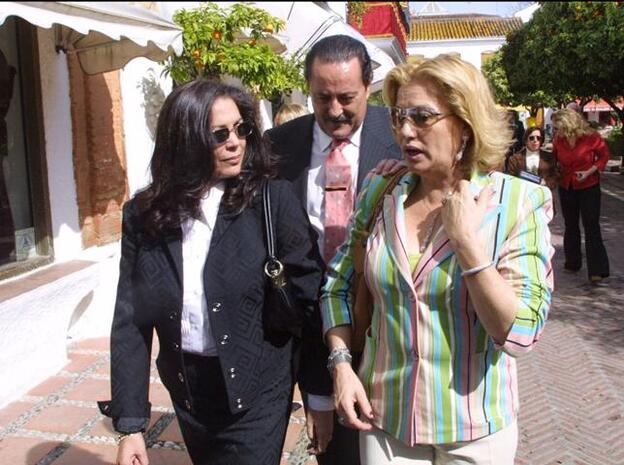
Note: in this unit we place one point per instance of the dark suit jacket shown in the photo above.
(149, 296)
(292, 142)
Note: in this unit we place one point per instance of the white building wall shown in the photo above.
(143, 91)
(36, 326)
(67, 241)
(469, 50)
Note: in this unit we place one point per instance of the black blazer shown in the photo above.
(292, 142)
(149, 296)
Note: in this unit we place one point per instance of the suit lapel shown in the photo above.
(224, 221)
(174, 243)
(302, 154)
(440, 247)
(376, 142)
(394, 225)
(174, 247)
(523, 165)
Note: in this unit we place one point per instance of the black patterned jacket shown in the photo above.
(149, 296)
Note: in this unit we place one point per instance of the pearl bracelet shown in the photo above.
(477, 269)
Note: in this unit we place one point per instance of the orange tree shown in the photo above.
(233, 42)
(574, 48)
(533, 98)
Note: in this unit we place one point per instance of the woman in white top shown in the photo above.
(193, 252)
(533, 163)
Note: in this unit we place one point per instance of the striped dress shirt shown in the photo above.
(431, 372)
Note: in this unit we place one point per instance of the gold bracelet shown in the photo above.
(122, 436)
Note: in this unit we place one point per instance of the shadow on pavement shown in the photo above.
(581, 304)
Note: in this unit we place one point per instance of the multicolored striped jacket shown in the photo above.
(432, 373)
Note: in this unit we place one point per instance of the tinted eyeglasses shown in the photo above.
(419, 117)
(241, 129)
(537, 138)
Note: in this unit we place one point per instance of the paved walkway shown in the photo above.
(571, 385)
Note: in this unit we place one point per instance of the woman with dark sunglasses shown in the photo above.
(458, 265)
(193, 254)
(532, 163)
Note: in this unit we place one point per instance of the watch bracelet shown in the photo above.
(338, 355)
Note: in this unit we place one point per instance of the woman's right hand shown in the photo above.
(132, 450)
(349, 392)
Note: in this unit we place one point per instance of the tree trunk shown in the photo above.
(619, 112)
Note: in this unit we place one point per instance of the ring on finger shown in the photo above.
(341, 420)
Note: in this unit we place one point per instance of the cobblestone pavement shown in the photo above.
(571, 385)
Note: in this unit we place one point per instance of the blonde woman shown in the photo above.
(288, 112)
(459, 267)
(581, 154)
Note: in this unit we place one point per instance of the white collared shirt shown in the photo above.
(315, 203)
(315, 198)
(532, 161)
(197, 336)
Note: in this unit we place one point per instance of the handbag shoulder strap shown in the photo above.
(268, 219)
(360, 245)
(392, 183)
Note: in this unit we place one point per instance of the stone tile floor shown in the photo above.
(58, 421)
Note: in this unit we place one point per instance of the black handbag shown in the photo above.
(281, 312)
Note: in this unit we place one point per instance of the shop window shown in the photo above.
(24, 216)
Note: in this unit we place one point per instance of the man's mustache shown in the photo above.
(340, 119)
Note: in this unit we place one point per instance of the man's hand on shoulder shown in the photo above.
(388, 167)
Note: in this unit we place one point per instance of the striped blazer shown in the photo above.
(430, 370)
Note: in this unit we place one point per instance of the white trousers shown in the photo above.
(379, 448)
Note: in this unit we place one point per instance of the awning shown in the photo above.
(105, 35)
(600, 105)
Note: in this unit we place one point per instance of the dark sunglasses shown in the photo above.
(242, 130)
(538, 138)
(417, 116)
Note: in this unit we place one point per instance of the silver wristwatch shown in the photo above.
(338, 355)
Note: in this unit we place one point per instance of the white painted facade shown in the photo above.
(37, 326)
(58, 148)
(469, 50)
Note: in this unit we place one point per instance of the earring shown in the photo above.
(459, 155)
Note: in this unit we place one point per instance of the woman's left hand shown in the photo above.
(462, 213)
(583, 175)
(320, 428)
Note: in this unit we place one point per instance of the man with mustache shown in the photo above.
(327, 155)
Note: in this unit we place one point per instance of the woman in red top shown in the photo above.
(582, 154)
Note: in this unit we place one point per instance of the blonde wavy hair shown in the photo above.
(289, 112)
(570, 125)
(468, 94)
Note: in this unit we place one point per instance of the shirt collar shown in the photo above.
(210, 201)
(325, 140)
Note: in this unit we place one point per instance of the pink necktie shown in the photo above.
(338, 198)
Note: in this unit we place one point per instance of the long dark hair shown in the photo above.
(182, 164)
